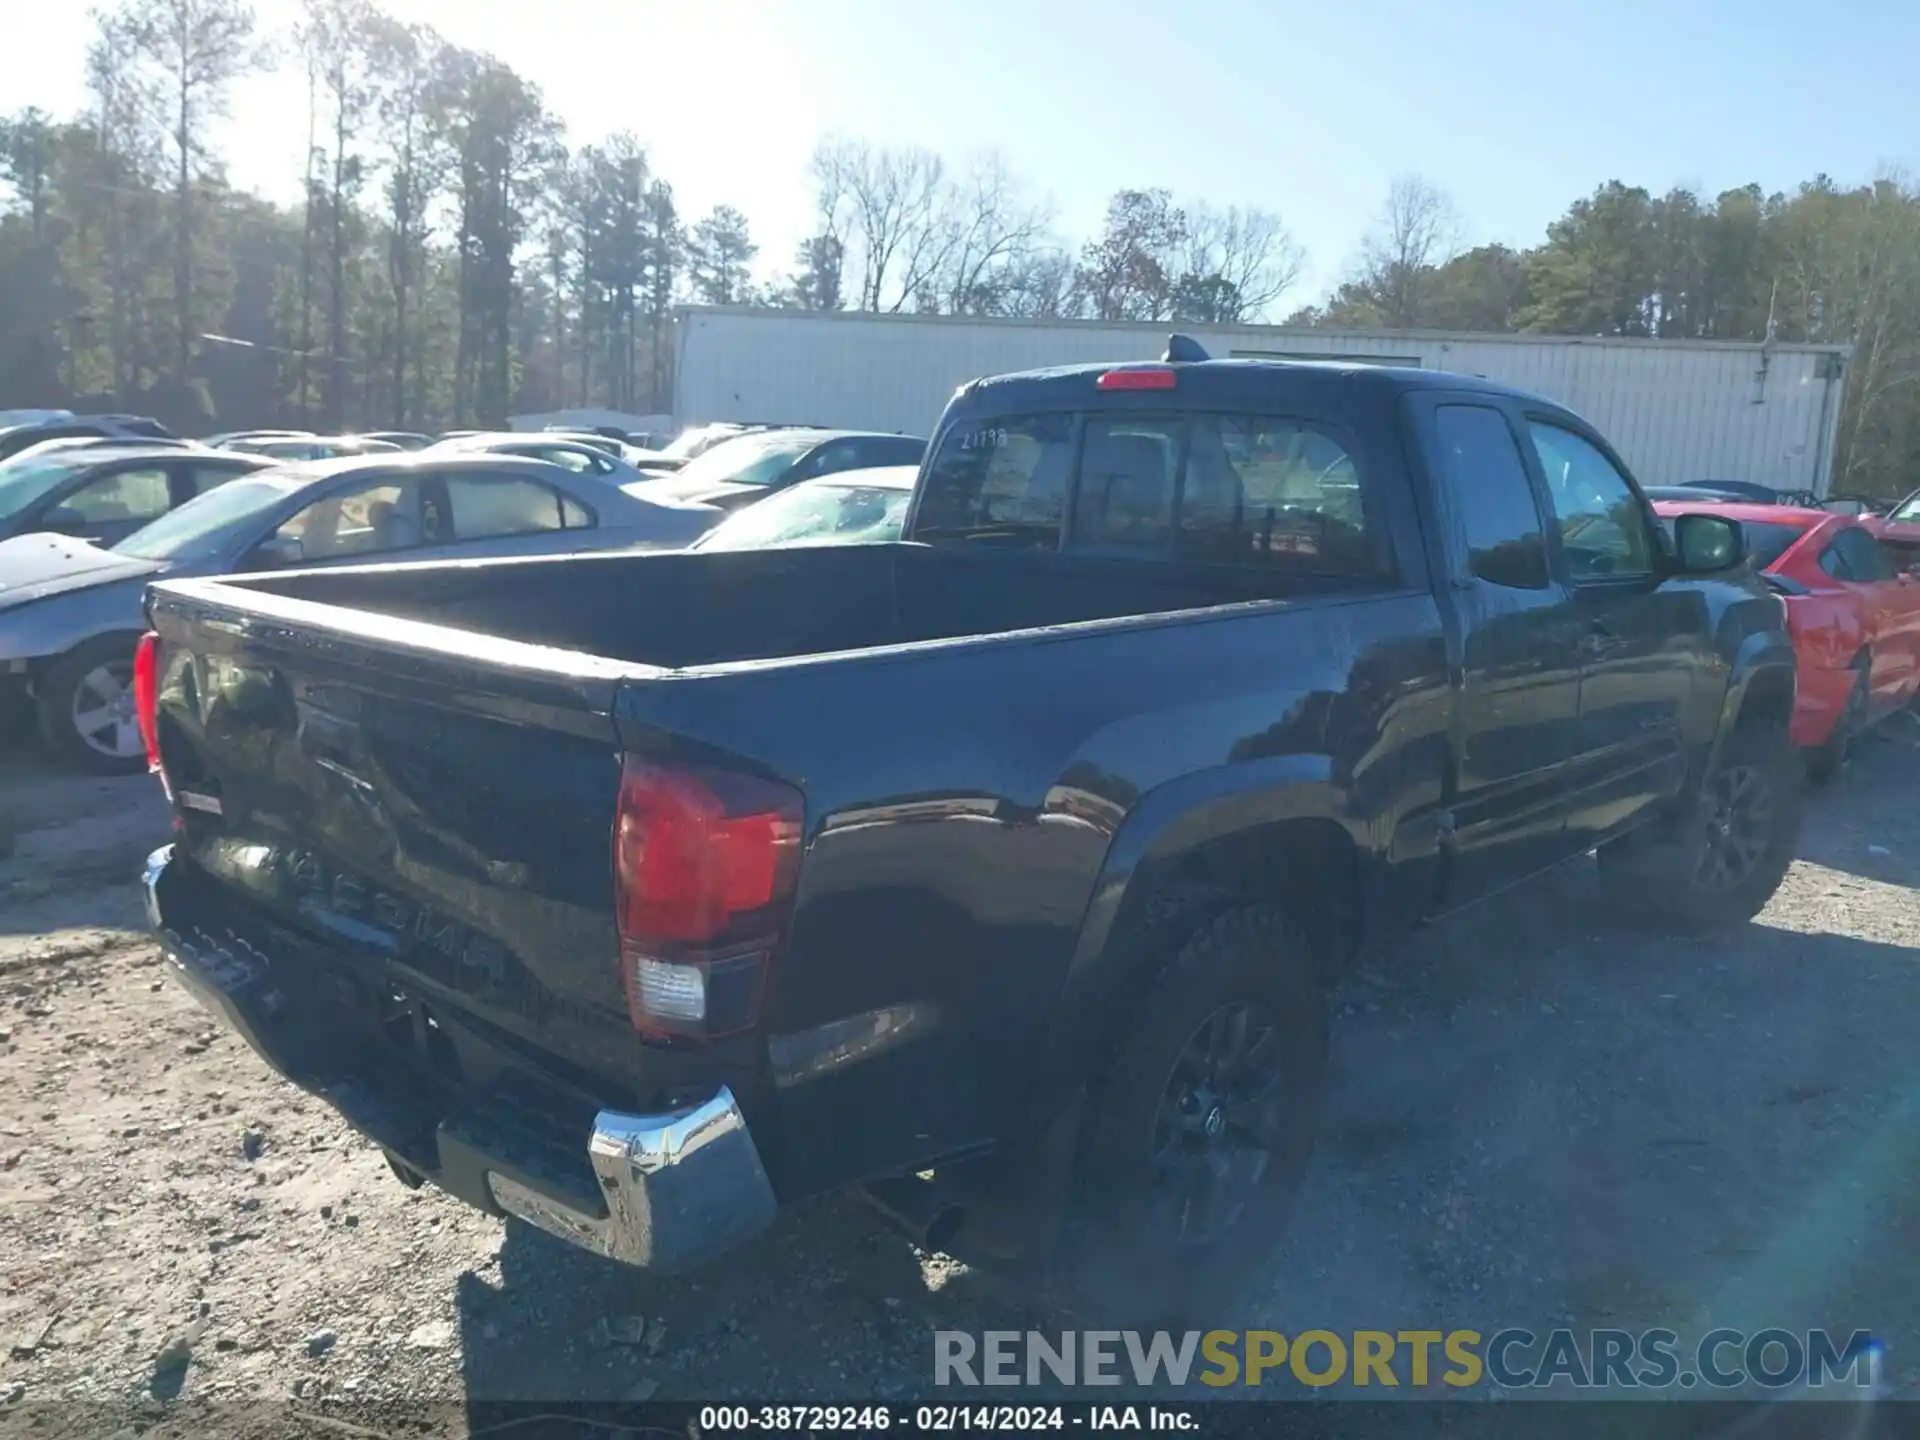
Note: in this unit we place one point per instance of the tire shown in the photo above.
(1139, 1242)
(1719, 863)
(1825, 762)
(94, 679)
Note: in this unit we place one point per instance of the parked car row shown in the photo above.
(86, 522)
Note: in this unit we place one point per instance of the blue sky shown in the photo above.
(1308, 109)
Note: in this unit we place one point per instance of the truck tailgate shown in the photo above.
(434, 805)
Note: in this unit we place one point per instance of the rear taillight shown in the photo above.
(704, 867)
(146, 695)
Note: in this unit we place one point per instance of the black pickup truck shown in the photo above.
(999, 872)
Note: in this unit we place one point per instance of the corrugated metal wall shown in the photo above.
(1676, 411)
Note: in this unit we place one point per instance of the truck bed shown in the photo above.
(678, 610)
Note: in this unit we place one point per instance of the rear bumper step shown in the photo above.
(665, 1192)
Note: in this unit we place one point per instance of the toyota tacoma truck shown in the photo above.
(999, 872)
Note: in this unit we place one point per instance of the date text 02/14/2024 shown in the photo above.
(942, 1419)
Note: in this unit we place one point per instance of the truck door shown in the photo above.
(1516, 720)
(1641, 642)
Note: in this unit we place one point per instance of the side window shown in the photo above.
(1001, 481)
(571, 459)
(123, 495)
(1488, 490)
(1858, 557)
(485, 506)
(373, 519)
(1273, 493)
(1603, 529)
(1125, 497)
(574, 515)
(831, 459)
(202, 478)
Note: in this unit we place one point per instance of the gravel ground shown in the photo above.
(1537, 1118)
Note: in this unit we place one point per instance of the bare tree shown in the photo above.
(992, 226)
(1040, 285)
(889, 202)
(1417, 232)
(194, 50)
(1237, 263)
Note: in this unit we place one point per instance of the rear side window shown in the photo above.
(1273, 493)
(1000, 482)
(487, 506)
(1488, 490)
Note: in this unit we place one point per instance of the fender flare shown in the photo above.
(1184, 814)
(1763, 661)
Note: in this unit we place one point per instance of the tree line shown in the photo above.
(455, 257)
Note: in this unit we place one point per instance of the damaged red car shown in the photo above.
(1853, 609)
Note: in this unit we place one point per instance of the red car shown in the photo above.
(1853, 608)
(1899, 531)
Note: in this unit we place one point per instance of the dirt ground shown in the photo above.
(1537, 1118)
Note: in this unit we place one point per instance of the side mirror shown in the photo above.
(278, 551)
(1707, 544)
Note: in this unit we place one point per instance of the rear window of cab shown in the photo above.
(1240, 490)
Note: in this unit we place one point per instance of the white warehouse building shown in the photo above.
(1676, 410)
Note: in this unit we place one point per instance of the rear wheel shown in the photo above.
(1720, 861)
(1202, 1122)
(86, 712)
(1826, 761)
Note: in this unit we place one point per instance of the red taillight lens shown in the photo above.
(704, 867)
(1138, 377)
(146, 695)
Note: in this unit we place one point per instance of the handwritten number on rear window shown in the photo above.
(988, 439)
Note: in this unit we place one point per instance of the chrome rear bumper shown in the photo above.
(675, 1190)
(679, 1188)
